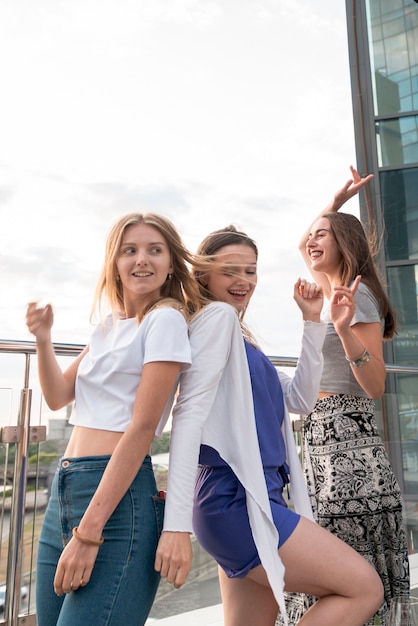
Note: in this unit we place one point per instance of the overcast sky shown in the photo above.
(209, 112)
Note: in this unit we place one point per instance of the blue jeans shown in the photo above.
(123, 584)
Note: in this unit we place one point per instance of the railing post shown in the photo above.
(17, 513)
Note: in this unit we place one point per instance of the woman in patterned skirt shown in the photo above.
(353, 490)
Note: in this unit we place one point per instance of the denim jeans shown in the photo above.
(123, 583)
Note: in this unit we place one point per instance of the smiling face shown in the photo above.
(322, 248)
(143, 263)
(235, 279)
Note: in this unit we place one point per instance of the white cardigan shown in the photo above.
(215, 407)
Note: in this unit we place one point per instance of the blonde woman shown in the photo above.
(97, 547)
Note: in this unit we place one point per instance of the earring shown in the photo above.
(169, 276)
(118, 278)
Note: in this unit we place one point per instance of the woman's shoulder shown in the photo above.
(215, 311)
(367, 307)
(168, 310)
(365, 293)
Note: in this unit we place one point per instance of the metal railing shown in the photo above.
(21, 435)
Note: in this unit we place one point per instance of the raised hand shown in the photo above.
(350, 189)
(310, 298)
(343, 305)
(39, 320)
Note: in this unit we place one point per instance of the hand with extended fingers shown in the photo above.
(350, 189)
(75, 566)
(343, 305)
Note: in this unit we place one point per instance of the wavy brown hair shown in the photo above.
(358, 259)
(180, 287)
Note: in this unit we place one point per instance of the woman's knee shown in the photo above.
(372, 586)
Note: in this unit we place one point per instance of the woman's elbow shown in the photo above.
(377, 392)
(54, 404)
(375, 389)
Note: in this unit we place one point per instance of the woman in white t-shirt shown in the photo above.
(95, 562)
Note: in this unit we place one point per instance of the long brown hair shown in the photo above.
(208, 249)
(179, 287)
(358, 258)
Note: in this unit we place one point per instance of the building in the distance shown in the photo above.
(383, 50)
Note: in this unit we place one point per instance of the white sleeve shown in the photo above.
(210, 341)
(166, 337)
(300, 391)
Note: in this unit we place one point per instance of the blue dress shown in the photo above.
(220, 518)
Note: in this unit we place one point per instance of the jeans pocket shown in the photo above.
(159, 506)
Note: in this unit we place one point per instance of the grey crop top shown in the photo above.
(337, 376)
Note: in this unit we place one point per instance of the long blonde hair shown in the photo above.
(180, 287)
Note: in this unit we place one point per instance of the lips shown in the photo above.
(238, 294)
(142, 274)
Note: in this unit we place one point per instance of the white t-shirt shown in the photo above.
(108, 376)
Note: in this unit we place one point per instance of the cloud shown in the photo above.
(209, 112)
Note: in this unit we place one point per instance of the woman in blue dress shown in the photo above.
(232, 418)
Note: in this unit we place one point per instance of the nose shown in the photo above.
(141, 257)
(241, 279)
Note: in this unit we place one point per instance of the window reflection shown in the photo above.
(403, 292)
(397, 141)
(399, 190)
(393, 32)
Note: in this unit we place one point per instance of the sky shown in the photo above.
(209, 112)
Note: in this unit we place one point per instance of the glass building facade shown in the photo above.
(383, 50)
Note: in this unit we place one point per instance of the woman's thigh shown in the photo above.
(123, 583)
(318, 563)
(48, 604)
(245, 602)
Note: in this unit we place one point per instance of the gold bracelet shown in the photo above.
(89, 542)
(361, 360)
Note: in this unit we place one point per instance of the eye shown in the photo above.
(156, 250)
(128, 250)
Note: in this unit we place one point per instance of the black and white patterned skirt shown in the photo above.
(354, 492)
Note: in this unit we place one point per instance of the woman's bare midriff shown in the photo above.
(325, 394)
(91, 442)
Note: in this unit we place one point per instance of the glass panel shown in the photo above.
(400, 208)
(397, 141)
(401, 423)
(393, 37)
(402, 283)
(397, 418)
